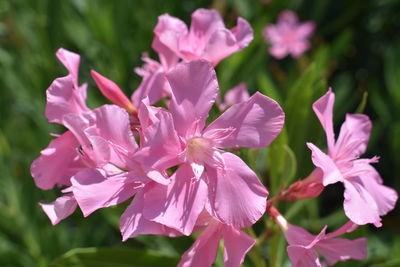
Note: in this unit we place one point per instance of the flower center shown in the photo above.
(198, 149)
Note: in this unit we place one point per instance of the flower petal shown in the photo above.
(323, 108)
(303, 257)
(71, 62)
(256, 122)
(236, 245)
(354, 135)
(57, 163)
(133, 223)
(204, 251)
(238, 196)
(341, 249)
(94, 190)
(359, 206)
(63, 98)
(178, 204)
(194, 90)
(59, 209)
(320, 159)
(167, 47)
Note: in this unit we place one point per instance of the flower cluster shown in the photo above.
(178, 170)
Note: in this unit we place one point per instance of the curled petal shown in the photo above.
(59, 209)
(323, 108)
(329, 168)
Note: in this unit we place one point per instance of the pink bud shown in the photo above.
(112, 92)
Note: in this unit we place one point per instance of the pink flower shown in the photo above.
(288, 36)
(206, 39)
(304, 247)
(366, 199)
(204, 250)
(235, 95)
(207, 177)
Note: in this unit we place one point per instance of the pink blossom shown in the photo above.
(304, 247)
(288, 36)
(366, 198)
(207, 176)
(206, 39)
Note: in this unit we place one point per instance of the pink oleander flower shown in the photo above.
(90, 141)
(207, 38)
(365, 197)
(207, 176)
(304, 247)
(235, 95)
(204, 251)
(288, 36)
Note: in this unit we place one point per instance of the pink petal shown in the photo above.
(323, 108)
(305, 30)
(385, 197)
(346, 228)
(71, 62)
(194, 90)
(243, 33)
(63, 98)
(278, 51)
(359, 206)
(287, 16)
(298, 48)
(296, 235)
(153, 85)
(221, 44)
(178, 204)
(167, 48)
(320, 159)
(162, 146)
(133, 223)
(113, 125)
(59, 209)
(94, 190)
(236, 245)
(57, 163)
(340, 249)
(256, 122)
(353, 137)
(272, 34)
(302, 257)
(204, 23)
(204, 251)
(238, 196)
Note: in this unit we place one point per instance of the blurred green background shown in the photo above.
(356, 50)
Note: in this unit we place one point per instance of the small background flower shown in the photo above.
(288, 36)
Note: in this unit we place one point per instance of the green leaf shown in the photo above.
(116, 257)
